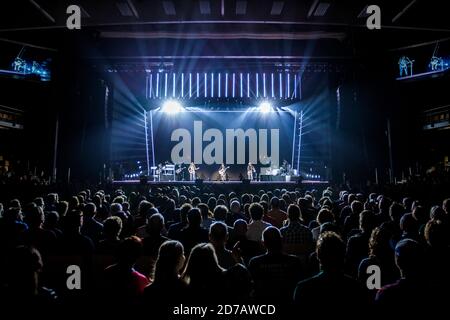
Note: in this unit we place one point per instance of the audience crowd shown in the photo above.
(311, 251)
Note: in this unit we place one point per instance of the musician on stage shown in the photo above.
(223, 172)
(192, 169)
(250, 170)
(285, 168)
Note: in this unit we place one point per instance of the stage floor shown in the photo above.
(224, 183)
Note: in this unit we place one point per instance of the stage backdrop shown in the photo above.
(211, 137)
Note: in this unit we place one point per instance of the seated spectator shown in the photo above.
(274, 273)
(23, 286)
(276, 213)
(51, 202)
(235, 213)
(121, 282)
(111, 240)
(352, 221)
(218, 236)
(220, 213)
(409, 227)
(297, 239)
(36, 236)
(175, 229)
(438, 254)
(323, 216)
(167, 287)
(72, 241)
(238, 241)
(330, 292)
(91, 227)
(51, 222)
(396, 211)
(358, 245)
(265, 217)
(12, 229)
(203, 275)
(207, 219)
(155, 237)
(420, 214)
(410, 293)
(381, 254)
(193, 233)
(256, 225)
(143, 231)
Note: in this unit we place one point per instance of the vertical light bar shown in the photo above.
(248, 85)
(281, 85)
(264, 84)
(293, 138)
(288, 95)
(257, 85)
(219, 85)
(300, 141)
(165, 85)
(147, 156)
(151, 85)
(182, 85)
(173, 84)
(190, 85)
(198, 85)
(226, 85)
(295, 86)
(206, 85)
(234, 84)
(212, 85)
(153, 142)
(157, 85)
(300, 86)
(241, 85)
(272, 86)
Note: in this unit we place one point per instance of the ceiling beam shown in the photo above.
(310, 35)
(44, 12)
(403, 11)
(233, 22)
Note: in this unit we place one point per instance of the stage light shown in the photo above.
(265, 107)
(172, 107)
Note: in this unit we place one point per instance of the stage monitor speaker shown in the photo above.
(245, 181)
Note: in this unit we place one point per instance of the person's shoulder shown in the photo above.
(387, 291)
(257, 259)
(309, 282)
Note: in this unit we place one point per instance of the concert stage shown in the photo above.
(226, 186)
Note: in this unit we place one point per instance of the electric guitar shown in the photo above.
(179, 170)
(192, 170)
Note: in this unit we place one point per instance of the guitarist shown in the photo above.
(223, 172)
(180, 172)
(250, 170)
(192, 169)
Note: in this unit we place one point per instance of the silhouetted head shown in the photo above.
(409, 257)
(170, 261)
(272, 240)
(331, 252)
(218, 234)
(256, 211)
(129, 251)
